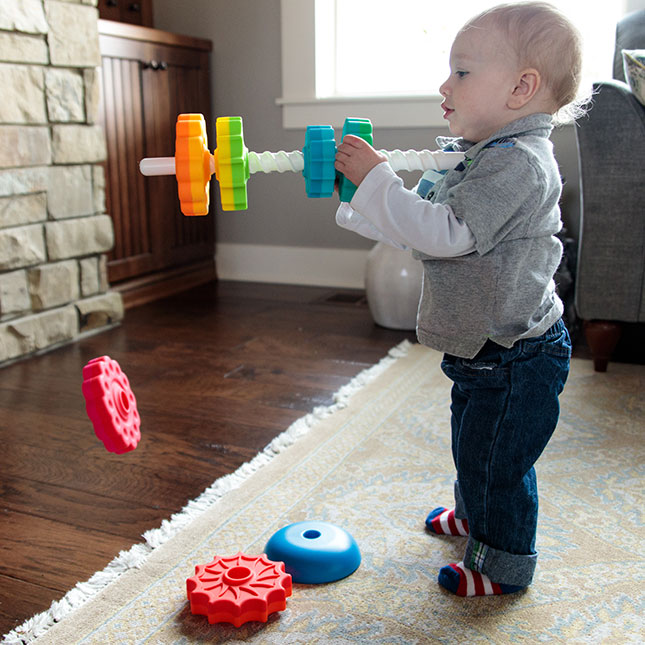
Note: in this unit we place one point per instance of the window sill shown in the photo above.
(384, 112)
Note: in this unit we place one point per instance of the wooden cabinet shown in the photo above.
(148, 78)
(135, 12)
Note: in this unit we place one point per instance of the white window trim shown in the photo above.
(301, 108)
(300, 105)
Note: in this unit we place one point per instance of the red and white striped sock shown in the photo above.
(465, 582)
(443, 522)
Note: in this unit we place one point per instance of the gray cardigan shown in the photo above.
(507, 193)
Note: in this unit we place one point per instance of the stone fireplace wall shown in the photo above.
(54, 232)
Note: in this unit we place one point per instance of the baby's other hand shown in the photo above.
(355, 158)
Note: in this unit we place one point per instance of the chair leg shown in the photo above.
(602, 337)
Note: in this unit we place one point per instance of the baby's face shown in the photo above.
(483, 74)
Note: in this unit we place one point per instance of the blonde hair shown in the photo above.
(543, 38)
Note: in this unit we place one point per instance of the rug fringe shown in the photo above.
(154, 538)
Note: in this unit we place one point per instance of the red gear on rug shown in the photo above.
(238, 589)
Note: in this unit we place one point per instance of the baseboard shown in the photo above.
(165, 283)
(292, 265)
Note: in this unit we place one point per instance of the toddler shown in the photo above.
(486, 234)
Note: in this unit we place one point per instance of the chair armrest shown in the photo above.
(611, 253)
(614, 112)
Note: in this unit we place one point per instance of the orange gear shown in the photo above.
(193, 163)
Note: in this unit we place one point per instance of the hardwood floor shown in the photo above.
(218, 371)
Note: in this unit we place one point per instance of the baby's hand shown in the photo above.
(355, 158)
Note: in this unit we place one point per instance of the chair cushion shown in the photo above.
(634, 62)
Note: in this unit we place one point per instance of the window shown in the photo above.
(402, 54)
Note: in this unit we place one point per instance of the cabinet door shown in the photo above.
(145, 86)
(180, 84)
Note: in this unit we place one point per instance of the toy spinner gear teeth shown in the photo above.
(192, 164)
(361, 128)
(238, 589)
(111, 405)
(232, 163)
(319, 156)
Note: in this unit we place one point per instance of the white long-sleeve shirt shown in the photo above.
(382, 209)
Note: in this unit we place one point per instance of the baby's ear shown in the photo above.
(528, 83)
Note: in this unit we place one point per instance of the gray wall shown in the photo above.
(246, 80)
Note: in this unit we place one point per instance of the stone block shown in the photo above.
(26, 16)
(24, 146)
(73, 35)
(21, 48)
(23, 209)
(23, 99)
(92, 79)
(78, 144)
(98, 184)
(99, 311)
(79, 237)
(37, 332)
(21, 181)
(14, 294)
(21, 246)
(65, 95)
(104, 284)
(90, 281)
(70, 191)
(53, 285)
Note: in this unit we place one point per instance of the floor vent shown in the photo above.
(351, 299)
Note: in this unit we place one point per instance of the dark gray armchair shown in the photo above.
(610, 276)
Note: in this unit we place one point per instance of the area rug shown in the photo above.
(375, 463)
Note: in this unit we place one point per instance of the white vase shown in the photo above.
(393, 286)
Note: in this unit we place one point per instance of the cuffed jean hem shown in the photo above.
(460, 508)
(501, 567)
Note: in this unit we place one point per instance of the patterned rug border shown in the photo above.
(138, 554)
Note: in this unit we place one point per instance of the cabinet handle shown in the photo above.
(135, 6)
(156, 65)
(112, 3)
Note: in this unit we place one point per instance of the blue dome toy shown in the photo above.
(314, 552)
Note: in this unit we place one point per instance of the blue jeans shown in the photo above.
(504, 410)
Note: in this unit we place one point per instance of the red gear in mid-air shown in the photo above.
(111, 405)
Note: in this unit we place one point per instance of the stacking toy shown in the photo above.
(111, 405)
(232, 163)
(314, 552)
(319, 155)
(361, 128)
(238, 589)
